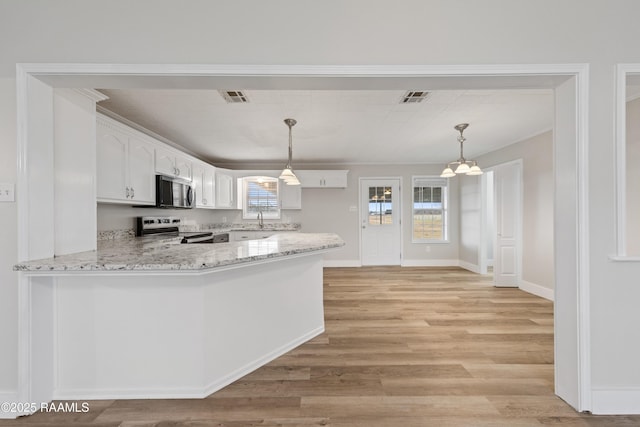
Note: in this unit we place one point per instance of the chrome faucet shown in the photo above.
(260, 220)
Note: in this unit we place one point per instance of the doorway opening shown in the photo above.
(572, 340)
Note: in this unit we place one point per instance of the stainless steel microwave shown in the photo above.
(174, 193)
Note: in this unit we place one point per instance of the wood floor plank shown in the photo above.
(408, 347)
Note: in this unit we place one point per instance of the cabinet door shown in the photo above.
(208, 187)
(323, 178)
(111, 149)
(335, 179)
(224, 191)
(141, 171)
(165, 162)
(290, 196)
(310, 179)
(198, 183)
(203, 178)
(184, 168)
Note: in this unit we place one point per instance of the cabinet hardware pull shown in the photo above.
(128, 193)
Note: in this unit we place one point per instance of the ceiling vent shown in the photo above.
(234, 96)
(413, 96)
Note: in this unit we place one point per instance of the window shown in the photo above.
(260, 196)
(627, 160)
(430, 204)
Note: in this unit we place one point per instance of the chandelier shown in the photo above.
(468, 167)
(287, 174)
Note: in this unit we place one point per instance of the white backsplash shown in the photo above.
(123, 217)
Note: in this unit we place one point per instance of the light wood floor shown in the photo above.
(403, 347)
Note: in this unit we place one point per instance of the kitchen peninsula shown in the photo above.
(153, 318)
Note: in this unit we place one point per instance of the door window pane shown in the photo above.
(380, 206)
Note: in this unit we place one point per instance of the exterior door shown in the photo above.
(507, 183)
(380, 242)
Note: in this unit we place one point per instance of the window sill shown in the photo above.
(624, 258)
(430, 242)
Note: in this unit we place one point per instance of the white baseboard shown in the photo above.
(341, 263)
(537, 290)
(430, 263)
(10, 397)
(615, 401)
(184, 392)
(468, 266)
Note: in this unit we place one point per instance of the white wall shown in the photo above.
(470, 221)
(598, 33)
(75, 172)
(8, 243)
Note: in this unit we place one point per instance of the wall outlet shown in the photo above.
(427, 248)
(353, 208)
(7, 192)
(224, 219)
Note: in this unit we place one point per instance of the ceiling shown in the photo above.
(336, 125)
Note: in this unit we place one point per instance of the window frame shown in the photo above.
(444, 185)
(245, 198)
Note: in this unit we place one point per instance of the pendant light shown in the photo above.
(287, 174)
(463, 166)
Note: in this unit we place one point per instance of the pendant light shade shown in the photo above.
(287, 175)
(447, 173)
(463, 166)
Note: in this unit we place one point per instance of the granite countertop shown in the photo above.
(244, 226)
(275, 227)
(168, 254)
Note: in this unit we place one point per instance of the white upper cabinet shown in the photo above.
(141, 176)
(224, 189)
(172, 163)
(125, 166)
(322, 178)
(290, 196)
(204, 180)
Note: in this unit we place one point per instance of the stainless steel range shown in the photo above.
(170, 226)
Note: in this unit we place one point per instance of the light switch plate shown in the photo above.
(7, 192)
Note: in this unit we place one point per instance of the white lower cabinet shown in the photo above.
(125, 166)
(204, 176)
(237, 236)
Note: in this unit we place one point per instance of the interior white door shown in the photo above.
(380, 242)
(507, 213)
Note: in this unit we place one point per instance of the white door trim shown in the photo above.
(580, 72)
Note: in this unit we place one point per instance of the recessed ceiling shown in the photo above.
(336, 126)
